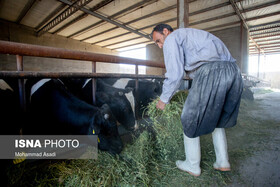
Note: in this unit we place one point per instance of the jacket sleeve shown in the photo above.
(174, 64)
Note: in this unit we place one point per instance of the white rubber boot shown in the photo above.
(193, 156)
(220, 146)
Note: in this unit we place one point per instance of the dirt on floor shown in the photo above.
(262, 168)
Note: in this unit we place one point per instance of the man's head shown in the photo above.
(160, 32)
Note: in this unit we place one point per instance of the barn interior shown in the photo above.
(121, 28)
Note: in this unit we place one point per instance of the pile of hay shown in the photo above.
(148, 161)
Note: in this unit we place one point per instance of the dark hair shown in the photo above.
(159, 28)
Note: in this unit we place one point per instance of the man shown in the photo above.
(214, 98)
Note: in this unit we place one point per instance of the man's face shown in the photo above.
(159, 38)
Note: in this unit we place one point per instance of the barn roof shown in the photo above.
(122, 24)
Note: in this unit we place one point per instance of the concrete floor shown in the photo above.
(262, 168)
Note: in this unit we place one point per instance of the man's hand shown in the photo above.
(161, 105)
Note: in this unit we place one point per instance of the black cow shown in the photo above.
(117, 99)
(54, 110)
(10, 113)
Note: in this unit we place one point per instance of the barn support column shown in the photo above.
(259, 55)
(182, 13)
(94, 84)
(21, 86)
(241, 44)
(136, 94)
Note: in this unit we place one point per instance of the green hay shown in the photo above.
(150, 159)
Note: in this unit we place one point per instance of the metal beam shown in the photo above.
(113, 37)
(133, 21)
(25, 10)
(166, 21)
(159, 12)
(74, 7)
(50, 16)
(84, 15)
(108, 20)
(131, 8)
(32, 74)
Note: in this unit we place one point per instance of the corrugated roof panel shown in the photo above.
(252, 3)
(39, 12)
(119, 39)
(105, 35)
(262, 11)
(216, 22)
(116, 6)
(155, 19)
(168, 2)
(95, 31)
(79, 25)
(128, 43)
(173, 24)
(10, 10)
(264, 20)
(144, 11)
(69, 19)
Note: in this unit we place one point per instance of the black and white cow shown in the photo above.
(119, 100)
(54, 110)
(147, 90)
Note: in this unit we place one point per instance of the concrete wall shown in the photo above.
(231, 38)
(22, 34)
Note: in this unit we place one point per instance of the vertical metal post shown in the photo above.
(21, 86)
(241, 47)
(259, 54)
(136, 94)
(94, 84)
(182, 13)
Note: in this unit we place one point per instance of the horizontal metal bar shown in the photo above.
(31, 74)
(52, 52)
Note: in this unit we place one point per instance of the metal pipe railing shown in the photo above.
(21, 50)
(52, 52)
(31, 74)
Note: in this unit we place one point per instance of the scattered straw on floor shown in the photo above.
(150, 159)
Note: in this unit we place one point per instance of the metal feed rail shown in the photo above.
(21, 50)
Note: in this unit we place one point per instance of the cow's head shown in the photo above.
(105, 126)
(120, 105)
